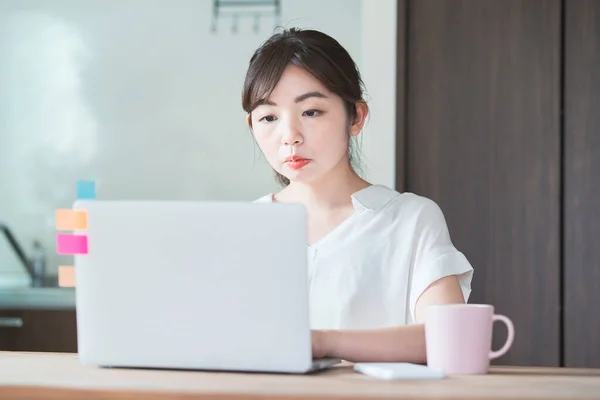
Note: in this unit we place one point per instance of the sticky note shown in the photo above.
(71, 220)
(86, 190)
(71, 244)
(66, 276)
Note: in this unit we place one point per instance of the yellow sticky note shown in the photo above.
(71, 220)
(66, 276)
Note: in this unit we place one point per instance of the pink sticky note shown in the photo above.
(71, 244)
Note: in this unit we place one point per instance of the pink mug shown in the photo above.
(458, 337)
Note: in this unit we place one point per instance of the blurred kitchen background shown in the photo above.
(489, 107)
(144, 97)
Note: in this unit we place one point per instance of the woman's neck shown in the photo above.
(330, 192)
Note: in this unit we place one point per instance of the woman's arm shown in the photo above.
(396, 344)
(403, 343)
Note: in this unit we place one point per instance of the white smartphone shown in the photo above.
(398, 371)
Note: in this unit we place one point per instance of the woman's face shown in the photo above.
(302, 128)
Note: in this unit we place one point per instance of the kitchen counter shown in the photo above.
(47, 298)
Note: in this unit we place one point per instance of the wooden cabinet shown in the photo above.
(582, 183)
(483, 141)
(499, 122)
(41, 330)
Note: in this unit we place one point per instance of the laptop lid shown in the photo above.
(198, 285)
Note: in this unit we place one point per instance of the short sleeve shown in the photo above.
(435, 257)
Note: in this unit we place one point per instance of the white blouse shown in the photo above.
(371, 269)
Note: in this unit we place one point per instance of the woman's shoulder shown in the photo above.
(406, 202)
(411, 210)
(416, 203)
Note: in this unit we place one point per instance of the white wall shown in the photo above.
(139, 96)
(378, 68)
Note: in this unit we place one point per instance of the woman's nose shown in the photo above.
(291, 135)
(292, 142)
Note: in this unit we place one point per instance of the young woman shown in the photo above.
(377, 257)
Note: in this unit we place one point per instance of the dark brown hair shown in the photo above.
(317, 53)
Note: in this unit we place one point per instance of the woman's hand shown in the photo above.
(319, 344)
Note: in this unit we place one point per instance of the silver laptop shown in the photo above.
(194, 285)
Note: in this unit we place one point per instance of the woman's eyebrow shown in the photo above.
(298, 99)
(305, 96)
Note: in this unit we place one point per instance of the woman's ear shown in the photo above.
(249, 120)
(362, 111)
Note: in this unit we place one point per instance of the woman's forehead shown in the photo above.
(293, 74)
(295, 86)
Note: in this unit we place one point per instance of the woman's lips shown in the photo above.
(297, 163)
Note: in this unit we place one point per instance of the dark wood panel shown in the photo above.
(7, 333)
(400, 94)
(42, 330)
(582, 183)
(483, 141)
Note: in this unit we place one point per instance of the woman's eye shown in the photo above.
(267, 118)
(312, 113)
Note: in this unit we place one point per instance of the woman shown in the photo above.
(377, 257)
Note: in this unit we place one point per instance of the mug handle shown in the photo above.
(509, 340)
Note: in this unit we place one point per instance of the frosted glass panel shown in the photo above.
(137, 95)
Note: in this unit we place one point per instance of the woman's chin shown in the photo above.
(300, 177)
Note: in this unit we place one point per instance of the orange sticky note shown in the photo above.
(66, 276)
(71, 220)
